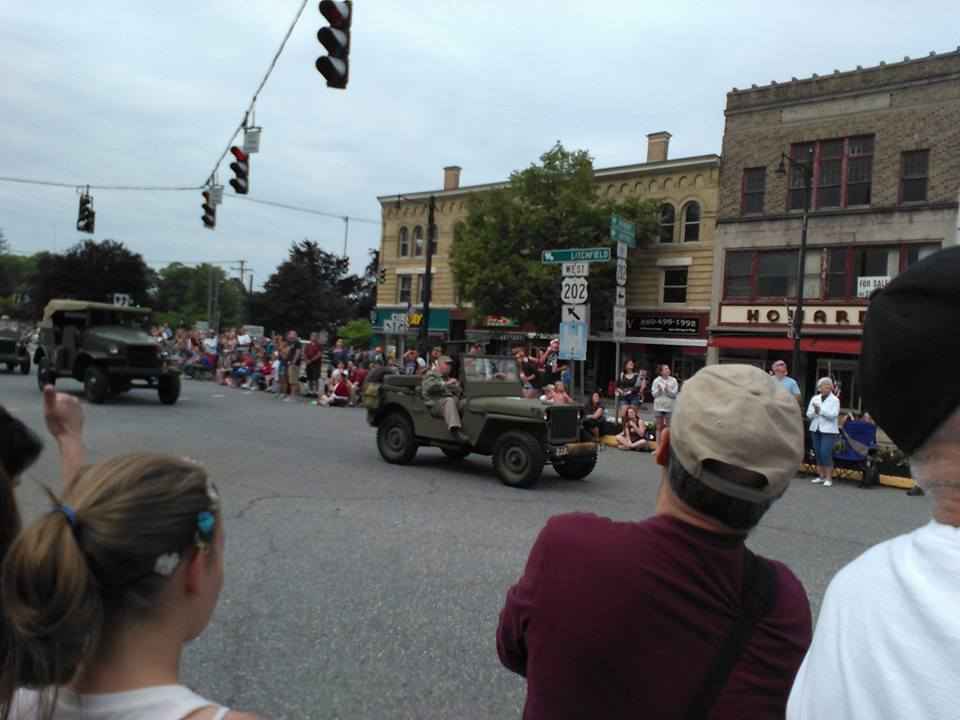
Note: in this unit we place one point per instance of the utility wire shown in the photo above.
(55, 183)
(301, 209)
(256, 94)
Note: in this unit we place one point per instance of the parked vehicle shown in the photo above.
(106, 347)
(13, 345)
(522, 435)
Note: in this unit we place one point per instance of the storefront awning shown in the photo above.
(840, 346)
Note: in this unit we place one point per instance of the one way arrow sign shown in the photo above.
(574, 313)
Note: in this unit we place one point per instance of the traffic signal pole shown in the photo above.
(428, 278)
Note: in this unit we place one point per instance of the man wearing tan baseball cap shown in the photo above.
(672, 616)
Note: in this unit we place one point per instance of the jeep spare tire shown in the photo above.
(96, 384)
(395, 439)
(169, 390)
(576, 469)
(518, 459)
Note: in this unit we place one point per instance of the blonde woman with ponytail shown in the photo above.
(101, 594)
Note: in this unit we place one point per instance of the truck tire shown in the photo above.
(576, 469)
(24, 366)
(395, 439)
(44, 376)
(455, 454)
(96, 385)
(169, 389)
(518, 459)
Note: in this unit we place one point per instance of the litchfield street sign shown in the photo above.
(589, 255)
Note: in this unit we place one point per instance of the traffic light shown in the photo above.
(241, 168)
(209, 211)
(382, 276)
(335, 65)
(86, 217)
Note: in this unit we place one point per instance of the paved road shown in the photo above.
(356, 589)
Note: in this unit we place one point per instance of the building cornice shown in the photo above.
(838, 213)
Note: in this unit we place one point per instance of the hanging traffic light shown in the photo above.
(335, 65)
(382, 276)
(86, 217)
(209, 211)
(241, 169)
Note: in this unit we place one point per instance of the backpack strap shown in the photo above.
(758, 594)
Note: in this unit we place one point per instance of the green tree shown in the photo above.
(90, 271)
(554, 204)
(181, 295)
(309, 291)
(356, 333)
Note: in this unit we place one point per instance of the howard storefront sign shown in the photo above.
(851, 316)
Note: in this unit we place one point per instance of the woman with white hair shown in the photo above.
(823, 411)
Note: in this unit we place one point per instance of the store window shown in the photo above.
(915, 168)
(777, 274)
(404, 289)
(916, 253)
(675, 285)
(691, 222)
(842, 172)
(738, 275)
(404, 242)
(753, 190)
(668, 217)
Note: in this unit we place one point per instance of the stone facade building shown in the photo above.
(669, 281)
(883, 144)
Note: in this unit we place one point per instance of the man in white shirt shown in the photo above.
(887, 644)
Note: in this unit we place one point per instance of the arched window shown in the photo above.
(691, 222)
(418, 240)
(668, 217)
(404, 243)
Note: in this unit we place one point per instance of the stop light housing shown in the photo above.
(209, 211)
(241, 170)
(335, 65)
(86, 217)
(382, 276)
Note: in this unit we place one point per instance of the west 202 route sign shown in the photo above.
(555, 257)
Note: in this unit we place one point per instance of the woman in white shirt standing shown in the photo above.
(101, 594)
(823, 411)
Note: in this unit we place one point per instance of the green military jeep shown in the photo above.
(521, 434)
(106, 347)
(13, 346)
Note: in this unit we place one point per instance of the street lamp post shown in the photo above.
(807, 169)
(423, 336)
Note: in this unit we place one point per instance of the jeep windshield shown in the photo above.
(490, 369)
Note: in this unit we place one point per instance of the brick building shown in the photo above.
(883, 144)
(669, 281)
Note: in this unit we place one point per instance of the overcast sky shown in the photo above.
(143, 92)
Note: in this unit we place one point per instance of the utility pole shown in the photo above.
(346, 233)
(428, 278)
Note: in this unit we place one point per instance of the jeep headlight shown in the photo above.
(113, 350)
(546, 416)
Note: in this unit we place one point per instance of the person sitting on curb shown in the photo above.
(438, 386)
(560, 395)
(633, 436)
(673, 617)
(886, 645)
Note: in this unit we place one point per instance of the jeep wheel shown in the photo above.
(169, 390)
(44, 375)
(518, 459)
(576, 469)
(455, 453)
(96, 384)
(395, 439)
(24, 366)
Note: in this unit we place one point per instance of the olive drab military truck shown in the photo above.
(106, 347)
(522, 435)
(13, 346)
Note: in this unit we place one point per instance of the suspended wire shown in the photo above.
(256, 94)
(146, 188)
(302, 209)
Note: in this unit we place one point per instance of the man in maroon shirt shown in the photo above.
(672, 617)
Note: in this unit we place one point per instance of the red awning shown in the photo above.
(841, 346)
